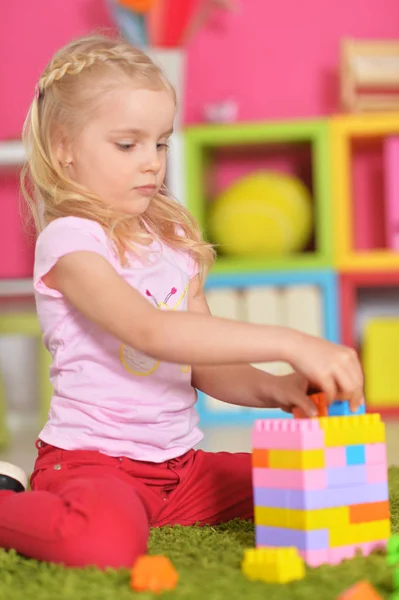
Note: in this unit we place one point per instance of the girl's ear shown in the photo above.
(63, 149)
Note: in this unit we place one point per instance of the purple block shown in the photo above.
(310, 499)
(346, 476)
(317, 539)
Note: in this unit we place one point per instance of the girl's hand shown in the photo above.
(290, 391)
(331, 368)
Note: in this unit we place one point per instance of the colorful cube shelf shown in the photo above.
(327, 284)
(349, 286)
(321, 485)
(343, 129)
(201, 143)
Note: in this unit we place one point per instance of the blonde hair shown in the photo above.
(63, 97)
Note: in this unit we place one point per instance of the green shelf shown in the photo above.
(202, 142)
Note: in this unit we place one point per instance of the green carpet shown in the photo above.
(208, 561)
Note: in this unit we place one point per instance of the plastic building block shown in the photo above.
(373, 511)
(333, 556)
(327, 496)
(153, 574)
(313, 499)
(296, 459)
(308, 539)
(393, 550)
(288, 434)
(362, 590)
(302, 519)
(299, 479)
(376, 473)
(260, 458)
(273, 565)
(320, 401)
(348, 431)
(346, 476)
(376, 454)
(340, 408)
(356, 455)
(317, 539)
(336, 457)
(360, 533)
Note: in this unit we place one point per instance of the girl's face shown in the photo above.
(120, 153)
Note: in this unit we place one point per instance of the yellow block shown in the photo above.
(380, 361)
(360, 533)
(297, 459)
(323, 518)
(348, 431)
(273, 565)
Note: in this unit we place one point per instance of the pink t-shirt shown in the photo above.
(108, 396)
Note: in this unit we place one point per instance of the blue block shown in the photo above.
(355, 455)
(340, 408)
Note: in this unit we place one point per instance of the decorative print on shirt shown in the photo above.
(137, 362)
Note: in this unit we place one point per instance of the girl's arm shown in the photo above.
(239, 384)
(93, 287)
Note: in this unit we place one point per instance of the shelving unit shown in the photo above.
(354, 234)
(202, 145)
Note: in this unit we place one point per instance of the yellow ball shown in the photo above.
(265, 213)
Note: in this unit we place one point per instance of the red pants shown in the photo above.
(86, 508)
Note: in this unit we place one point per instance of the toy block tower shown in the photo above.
(321, 485)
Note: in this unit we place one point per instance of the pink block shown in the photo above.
(337, 555)
(391, 164)
(333, 556)
(287, 434)
(312, 479)
(336, 457)
(376, 454)
(314, 558)
(376, 473)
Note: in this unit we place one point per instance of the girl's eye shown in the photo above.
(125, 147)
(163, 146)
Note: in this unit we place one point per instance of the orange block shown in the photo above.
(372, 511)
(139, 6)
(320, 401)
(360, 591)
(260, 458)
(153, 574)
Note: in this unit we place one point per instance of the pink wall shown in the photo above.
(29, 34)
(278, 59)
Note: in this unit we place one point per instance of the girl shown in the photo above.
(118, 278)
